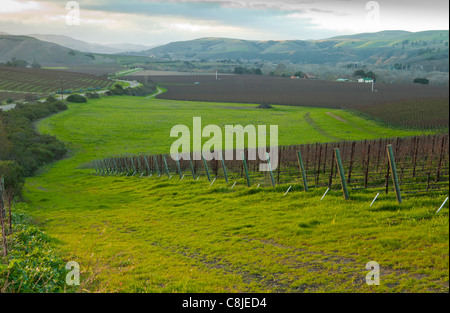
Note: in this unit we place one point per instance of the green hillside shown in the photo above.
(429, 48)
(45, 53)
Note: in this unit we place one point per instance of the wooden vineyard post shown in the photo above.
(95, 167)
(115, 166)
(179, 168)
(101, 166)
(206, 169)
(134, 168)
(394, 173)
(110, 167)
(366, 174)
(156, 165)
(192, 167)
(272, 179)
(167, 168)
(100, 163)
(387, 177)
(107, 165)
(416, 149)
(147, 165)
(350, 168)
(224, 167)
(246, 169)
(318, 169)
(139, 165)
(441, 158)
(341, 173)
(330, 181)
(302, 170)
(126, 165)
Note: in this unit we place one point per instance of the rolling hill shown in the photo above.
(84, 46)
(428, 49)
(45, 53)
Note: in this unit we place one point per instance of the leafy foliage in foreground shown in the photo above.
(32, 265)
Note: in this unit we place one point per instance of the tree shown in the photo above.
(76, 99)
(258, 71)
(280, 70)
(239, 70)
(12, 173)
(5, 144)
(35, 64)
(371, 74)
(359, 73)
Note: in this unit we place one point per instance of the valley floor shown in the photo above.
(133, 234)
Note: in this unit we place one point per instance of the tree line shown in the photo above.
(23, 150)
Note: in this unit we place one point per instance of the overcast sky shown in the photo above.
(155, 22)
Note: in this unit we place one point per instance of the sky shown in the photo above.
(151, 22)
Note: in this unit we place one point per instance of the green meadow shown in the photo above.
(133, 234)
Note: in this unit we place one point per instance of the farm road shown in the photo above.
(160, 91)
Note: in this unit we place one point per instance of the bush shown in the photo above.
(422, 81)
(264, 106)
(32, 264)
(10, 100)
(92, 95)
(51, 99)
(76, 99)
(30, 97)
(24, 145)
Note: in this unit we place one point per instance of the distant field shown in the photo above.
(96, 69)
(171, 73)
(47, 81)
(5, 95)
(406, 105)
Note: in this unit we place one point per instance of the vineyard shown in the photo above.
(412, 106)
(422, 163)
(46, 81)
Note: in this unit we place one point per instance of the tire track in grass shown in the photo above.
(343, 120)
(356, 272)
(319, 129)
(294, 264)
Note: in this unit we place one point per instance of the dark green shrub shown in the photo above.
(76, 99)
(422, 81)
(92, 95)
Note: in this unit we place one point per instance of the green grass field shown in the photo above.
(160, 235)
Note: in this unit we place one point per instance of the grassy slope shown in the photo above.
(157, 235)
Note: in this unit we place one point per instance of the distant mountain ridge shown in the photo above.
(46, 53)
(382, 48)
(84, 46)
